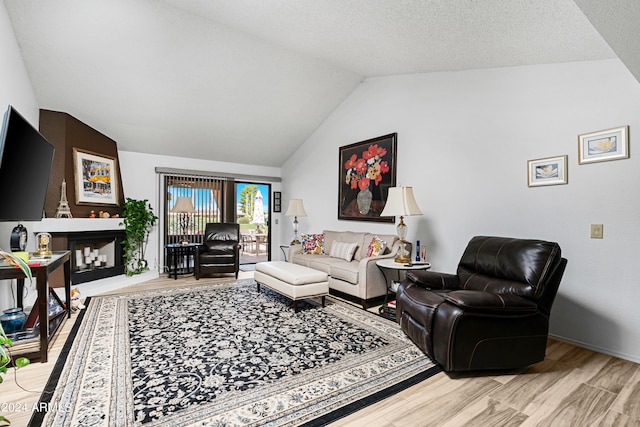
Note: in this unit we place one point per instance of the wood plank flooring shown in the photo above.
(571, 387)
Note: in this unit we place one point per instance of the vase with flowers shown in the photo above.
(362, 171)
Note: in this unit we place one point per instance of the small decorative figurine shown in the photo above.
(92, 214)
(63, 211)
(76, 304)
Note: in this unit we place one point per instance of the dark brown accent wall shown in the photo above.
(66, 132)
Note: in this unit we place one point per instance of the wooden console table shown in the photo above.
(41, 273)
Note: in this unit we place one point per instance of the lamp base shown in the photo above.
(402, 259)
(402, 256)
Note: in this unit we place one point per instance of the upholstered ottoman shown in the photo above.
(292, 280)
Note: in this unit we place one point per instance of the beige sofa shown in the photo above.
(359, 279)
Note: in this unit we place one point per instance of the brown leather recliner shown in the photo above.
(492, 314)
(220, 250)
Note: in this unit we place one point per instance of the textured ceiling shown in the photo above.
(248, 81)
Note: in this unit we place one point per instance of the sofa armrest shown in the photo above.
(370, 277)
(487, 302)
(293, 249)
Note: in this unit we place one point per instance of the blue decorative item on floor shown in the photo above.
(13, 320)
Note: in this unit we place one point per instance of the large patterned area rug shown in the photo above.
(225, 355)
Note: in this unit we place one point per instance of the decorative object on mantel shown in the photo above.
(367, 168)
(138, 218)
(184, 208)
(295, 209)
(610, 144)
(401, 202)
(63, 211)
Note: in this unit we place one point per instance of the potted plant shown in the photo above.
(5, 360)
(5, 342)
(138, 218)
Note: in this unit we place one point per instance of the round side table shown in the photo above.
(180, 258)
(388, 266)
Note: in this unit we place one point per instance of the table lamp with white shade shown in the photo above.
(295, 209)
(184, 208)
(401, 202)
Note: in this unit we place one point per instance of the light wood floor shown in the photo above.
(572, 387)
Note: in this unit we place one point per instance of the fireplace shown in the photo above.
(95, 255)
(95, 245)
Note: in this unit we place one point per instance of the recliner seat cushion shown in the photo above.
(221, 247)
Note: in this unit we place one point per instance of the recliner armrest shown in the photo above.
(488, 302)
(433, 279)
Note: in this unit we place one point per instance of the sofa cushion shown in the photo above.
(376, 246)
(343, 270)
(321, 263)
(313, 244)
(302, 259)
(348, 237)
(390, 239)
(343, 250)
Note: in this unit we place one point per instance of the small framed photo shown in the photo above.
(96, 178)
(277, 201)
(547, 171)
(604, 145)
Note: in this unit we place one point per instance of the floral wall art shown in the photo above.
(367, 170)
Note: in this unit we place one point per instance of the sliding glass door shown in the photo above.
(191, 203)
(253, 215)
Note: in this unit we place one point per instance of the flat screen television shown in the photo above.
(25, 166)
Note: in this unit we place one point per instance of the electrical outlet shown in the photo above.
(597, 231)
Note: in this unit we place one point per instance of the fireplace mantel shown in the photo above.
(71, 225)
(95, 245)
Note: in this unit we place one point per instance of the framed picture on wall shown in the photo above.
(277, 201)
(547, 171)
(367, 170)
(610, 144)
(96, 177)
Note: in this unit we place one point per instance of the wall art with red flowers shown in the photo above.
(367, 169)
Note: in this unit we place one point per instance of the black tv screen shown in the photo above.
(25, 167)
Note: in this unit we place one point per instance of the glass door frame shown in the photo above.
(253, 234)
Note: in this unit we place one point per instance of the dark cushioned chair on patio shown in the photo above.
(220, 250)
(492, 314)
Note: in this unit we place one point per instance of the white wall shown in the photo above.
(140, 181)
(464, 139)
(15, 86)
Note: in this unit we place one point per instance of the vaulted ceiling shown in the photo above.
(248, 81)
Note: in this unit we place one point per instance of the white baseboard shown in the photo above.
(598, 349)
(109, 284)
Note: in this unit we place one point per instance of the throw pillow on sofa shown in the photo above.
(343, 250)
(376, 247)
(312, 244)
